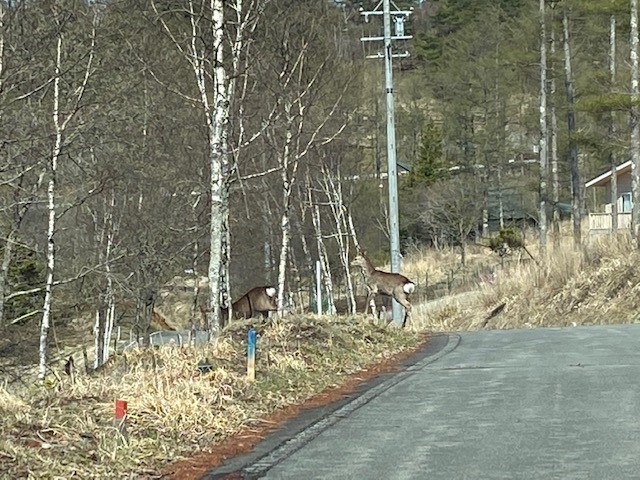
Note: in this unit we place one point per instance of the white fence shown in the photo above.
(601, 222)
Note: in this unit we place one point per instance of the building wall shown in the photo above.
(624, 189)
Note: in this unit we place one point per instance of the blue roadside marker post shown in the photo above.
(251, 354)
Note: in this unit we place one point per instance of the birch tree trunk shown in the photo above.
(344, 226)
(634, 125)
(195, 323)
(51, 204)
(348, 276)
(98, 331)
(218, 164)
(267, 221)
(542, 147)
(553, 147)
(296, 266)
(574, 168)
(288, 179)
(500, 199)
(321, 247)
(217, 112)
(60, 126)
(613, 160)
(105, 312)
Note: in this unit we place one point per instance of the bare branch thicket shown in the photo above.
(451, 211)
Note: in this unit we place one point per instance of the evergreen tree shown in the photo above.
(430, 165)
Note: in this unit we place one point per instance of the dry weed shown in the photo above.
(180, 399)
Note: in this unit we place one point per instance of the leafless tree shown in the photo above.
(542, 147)
(66, 103)
(451, 210)
(613, 158)
(216, 96)
(634, 124)
(574, 167)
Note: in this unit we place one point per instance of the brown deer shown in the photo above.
(258, 300)
(385, 283)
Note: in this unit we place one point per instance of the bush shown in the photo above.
(27, 271)
(510, 236)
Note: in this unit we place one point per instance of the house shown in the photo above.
(600, 221)
(510, 207)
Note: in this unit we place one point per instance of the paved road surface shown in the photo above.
(495, 404)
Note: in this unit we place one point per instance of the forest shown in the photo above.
(245, 140)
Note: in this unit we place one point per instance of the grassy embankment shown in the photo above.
(64, 430)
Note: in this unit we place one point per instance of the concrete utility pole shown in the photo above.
(398, 17)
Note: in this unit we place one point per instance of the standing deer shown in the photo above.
(385, 283)
(260, 300)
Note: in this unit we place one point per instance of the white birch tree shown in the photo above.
(217, 91)
(66, 104)
(574, 167)
(553, 138)
(613, 159)
(634, 124)
(543, 142)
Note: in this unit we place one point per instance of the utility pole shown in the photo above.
(398, 17)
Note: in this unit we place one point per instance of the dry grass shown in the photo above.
(596, 285)
(64, 430)
(430, 266)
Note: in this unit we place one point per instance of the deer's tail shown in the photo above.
(409, 287)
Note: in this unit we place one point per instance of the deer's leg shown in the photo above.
(372, 303)
(402, 300)
(407, 315)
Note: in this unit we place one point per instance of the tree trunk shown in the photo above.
(322, 249)
(542, 147)
(553, 147)
(4, 271)
(574, 168)
(219, 164)
(288, 179)
(194, 314)
(267, 221)
(51, 196)
(613, 160)
(346, 265)
(98, 331)
(500, 199)
(634, 125)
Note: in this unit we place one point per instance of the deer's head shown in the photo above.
(359, 261)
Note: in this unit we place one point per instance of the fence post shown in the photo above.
(251, 354)
(120, 417)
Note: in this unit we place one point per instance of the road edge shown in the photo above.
(297, 432)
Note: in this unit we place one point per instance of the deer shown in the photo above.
(258, 300)
(389, 284)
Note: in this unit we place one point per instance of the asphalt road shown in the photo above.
(494, 404)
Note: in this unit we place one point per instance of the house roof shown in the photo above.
(605, 178)
(404, 165)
